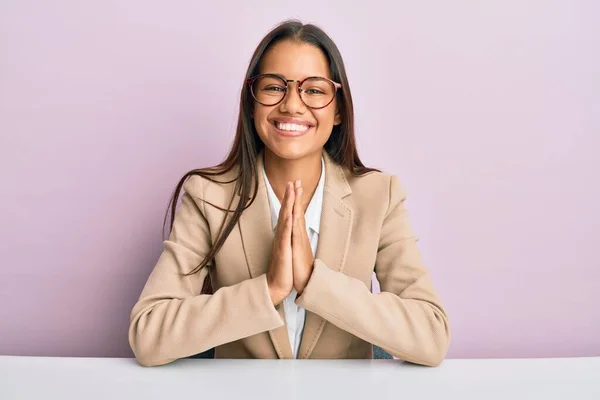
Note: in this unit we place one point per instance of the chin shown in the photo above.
(287, 153)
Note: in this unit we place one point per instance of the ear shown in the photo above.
(338, 117)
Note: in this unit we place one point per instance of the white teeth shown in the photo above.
(291, 127)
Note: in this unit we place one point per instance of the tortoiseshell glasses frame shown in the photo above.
(335, 86)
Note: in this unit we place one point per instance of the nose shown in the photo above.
(292, 103)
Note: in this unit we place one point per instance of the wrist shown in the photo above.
(277, 295)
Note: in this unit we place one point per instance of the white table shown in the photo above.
(121, 378)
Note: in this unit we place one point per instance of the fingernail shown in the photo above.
(298, 183)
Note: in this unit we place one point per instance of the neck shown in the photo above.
(280, 171)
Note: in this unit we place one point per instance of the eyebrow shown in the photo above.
(306, 76)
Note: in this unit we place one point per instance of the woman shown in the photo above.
(288, 231)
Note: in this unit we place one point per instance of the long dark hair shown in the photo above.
(341, 145)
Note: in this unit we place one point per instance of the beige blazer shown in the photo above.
(364, 228)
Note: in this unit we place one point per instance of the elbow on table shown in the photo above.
(429, 351)
(145, 360)
(145, 349)
(149, 361)
(436, 350)
(434, 358)
(146, 356)
(431, 356)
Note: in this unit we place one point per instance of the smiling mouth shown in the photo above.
(290, 130)
(287, 127)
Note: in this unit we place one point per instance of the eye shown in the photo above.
(314, 91)
(273, 88)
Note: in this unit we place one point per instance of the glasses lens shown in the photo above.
(268, 90)
(317, 92)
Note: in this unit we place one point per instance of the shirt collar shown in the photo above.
(314, 209)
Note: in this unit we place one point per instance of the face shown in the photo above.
(290, 129)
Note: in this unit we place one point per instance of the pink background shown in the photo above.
(489, 113)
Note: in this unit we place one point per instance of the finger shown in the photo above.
(289, 205)
(297, 199)
(286, 195)
(287, 230)
(284, 201)
(287, 212)
(298, 217)
(299, 209)
(296, 238)
(280, 219)
(297, 189)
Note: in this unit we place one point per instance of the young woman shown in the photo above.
(288, 231)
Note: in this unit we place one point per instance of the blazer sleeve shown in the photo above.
(172, 320)
(407, 318)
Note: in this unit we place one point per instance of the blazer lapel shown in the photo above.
(334, 238)
(257, 239)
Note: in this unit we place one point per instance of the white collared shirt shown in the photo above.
(294, 315)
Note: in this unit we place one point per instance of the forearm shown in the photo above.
(412, 329)
(166, 326)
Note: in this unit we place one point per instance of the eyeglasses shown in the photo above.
(315, 92)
